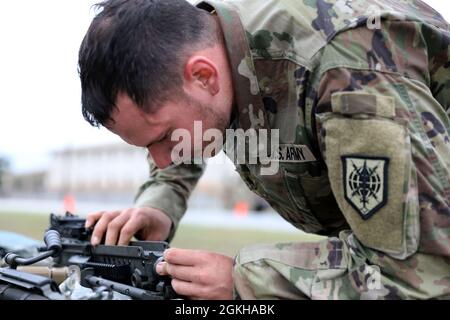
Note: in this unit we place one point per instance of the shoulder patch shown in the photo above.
(365, 183)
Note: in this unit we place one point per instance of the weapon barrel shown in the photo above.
(11, 292)
(130, 291)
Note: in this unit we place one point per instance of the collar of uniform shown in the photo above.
(250, 107)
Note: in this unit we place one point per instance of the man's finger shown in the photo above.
(185, 257)
(91, 218)
(130, 228)
(102, 225)
(188, 289)
(161, 269)
(186, 273)
(114, 228)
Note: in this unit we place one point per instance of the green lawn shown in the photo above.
(227, 241)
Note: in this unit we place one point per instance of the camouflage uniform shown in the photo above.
(371, 104)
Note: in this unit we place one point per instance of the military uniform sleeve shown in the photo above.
(384, 138)
(168, 190)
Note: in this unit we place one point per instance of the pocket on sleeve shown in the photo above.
(368, 154)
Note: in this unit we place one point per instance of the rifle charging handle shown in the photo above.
(52, 239)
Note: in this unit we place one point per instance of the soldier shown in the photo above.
(359, 92)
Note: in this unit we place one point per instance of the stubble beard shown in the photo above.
(212, 118)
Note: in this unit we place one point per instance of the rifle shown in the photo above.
(129, 270)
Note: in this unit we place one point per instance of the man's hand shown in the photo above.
(198, 274)
(120, 226)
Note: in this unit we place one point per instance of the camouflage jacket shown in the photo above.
(363, 88)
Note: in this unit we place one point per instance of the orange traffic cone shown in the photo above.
(69, 203)
(241, 209)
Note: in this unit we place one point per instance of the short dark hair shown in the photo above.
(137, 47)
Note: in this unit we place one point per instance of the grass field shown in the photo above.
(227, 241)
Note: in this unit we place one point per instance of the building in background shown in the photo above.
(110, 172)
(113, 173)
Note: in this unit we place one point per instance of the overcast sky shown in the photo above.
(39, 85)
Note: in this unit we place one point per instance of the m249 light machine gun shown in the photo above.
(129, 270)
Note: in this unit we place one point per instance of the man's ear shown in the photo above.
(200, 73)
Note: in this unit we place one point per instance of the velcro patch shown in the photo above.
(365, 183)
